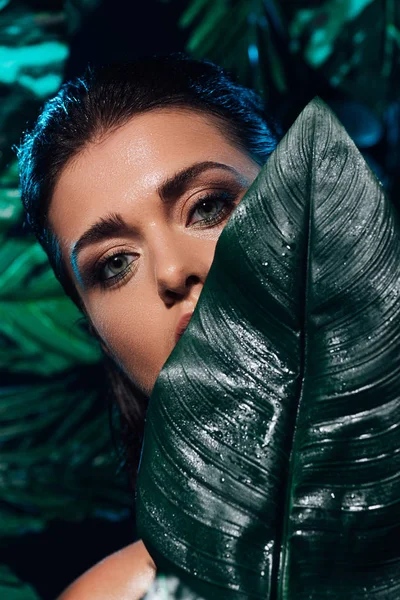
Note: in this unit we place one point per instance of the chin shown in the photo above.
(148, 389)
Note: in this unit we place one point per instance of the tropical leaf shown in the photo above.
(339, 39)
(270, 466)
(10, 208)
(11, 588)
(336, 38)
(56, 455)
(235, 35)
(33, 52)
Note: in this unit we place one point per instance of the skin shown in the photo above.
(166, 254)
(124, 575)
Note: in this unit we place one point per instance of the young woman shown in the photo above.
(127, 179)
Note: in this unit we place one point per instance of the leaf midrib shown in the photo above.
(281, 557)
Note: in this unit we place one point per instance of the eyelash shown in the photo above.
(228, 200)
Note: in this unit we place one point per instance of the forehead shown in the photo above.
(157, 138)
(126, 166)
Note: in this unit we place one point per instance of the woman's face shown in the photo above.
(138, 214)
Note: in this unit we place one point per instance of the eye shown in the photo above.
(114, 268)
(208, 206)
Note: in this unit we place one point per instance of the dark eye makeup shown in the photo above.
(95, 276)
(228, 203)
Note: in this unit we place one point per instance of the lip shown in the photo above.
(182, 324)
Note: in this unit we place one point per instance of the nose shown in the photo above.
(180, 266)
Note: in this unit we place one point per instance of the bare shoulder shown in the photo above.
(124, 575)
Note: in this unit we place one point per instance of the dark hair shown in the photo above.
(103, 99)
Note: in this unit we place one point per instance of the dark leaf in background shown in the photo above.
(346, 52)
(270, 466)
(13, 589)
(33, 52)
(56, 459)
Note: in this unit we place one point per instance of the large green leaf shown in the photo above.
(11, 588)
(270, 467)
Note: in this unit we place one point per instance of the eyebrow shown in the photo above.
(113, 225)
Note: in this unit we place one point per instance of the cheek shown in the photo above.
(135, 331)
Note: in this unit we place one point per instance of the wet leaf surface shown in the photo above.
(270, 467)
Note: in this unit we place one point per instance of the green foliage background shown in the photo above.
(351, 43)
(56, 457)
(346, 51)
